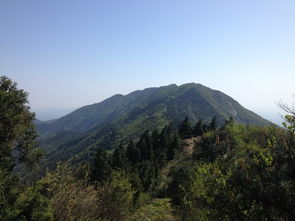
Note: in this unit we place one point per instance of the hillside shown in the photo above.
(231, 172)
(120, 117)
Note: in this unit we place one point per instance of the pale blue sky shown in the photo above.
(69, 53)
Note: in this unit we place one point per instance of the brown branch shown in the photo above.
(290, 109)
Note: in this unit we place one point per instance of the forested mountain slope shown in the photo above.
(120, 117)
(195, 100)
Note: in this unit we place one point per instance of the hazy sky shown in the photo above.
(72, 53)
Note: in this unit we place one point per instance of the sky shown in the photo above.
(70, 53)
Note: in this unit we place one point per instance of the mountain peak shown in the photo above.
(172, 101)
(128, 116)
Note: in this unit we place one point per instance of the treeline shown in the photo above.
(145, 159)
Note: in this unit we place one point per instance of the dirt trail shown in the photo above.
(188, 145)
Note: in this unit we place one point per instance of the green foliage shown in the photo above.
(133, 153)
(119, 159)
(8, 193)
(22, 203)
(70, 198)
(158, 210)
(17, 145)
(115, 199)
(206, 196)
(198, 128)
(185, 129)
(100, 168)
(142, 161)
(181, 177)
(32, 205)
(213, 124)
(73, 198)
(174, 147)
(121, 118)
(17, 132)
(242, 173)
(289, 123)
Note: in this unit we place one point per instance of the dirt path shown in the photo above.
(188, 145)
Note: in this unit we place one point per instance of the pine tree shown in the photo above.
(156, 142)
(198, 128)
(145, 146)
(18, 145)
(119, 160)
(185, 129)
(133, 153)
(213, 124)
(174, 147)
(17, 132)
(101, 169)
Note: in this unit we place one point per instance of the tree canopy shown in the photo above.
(18, 145)
(17, 132)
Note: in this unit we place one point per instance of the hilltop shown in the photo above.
(123, 117)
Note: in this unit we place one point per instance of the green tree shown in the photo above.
(174, 147)
(133, 153)
(31, 204)
(289, 122)
(145, 145)
(185, 128)
(246, 174)
(119, 158)
(198, 128)
(17, 145)
(182, 176)
(100, 168)
(17, 132)
(115, 199)
(70, 198)
(158, 209)
(213, 124)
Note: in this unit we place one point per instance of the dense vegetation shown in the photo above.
(201, 171)
(120, 118)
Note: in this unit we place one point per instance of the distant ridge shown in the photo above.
(121, 117)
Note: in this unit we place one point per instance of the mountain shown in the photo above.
(120, 117)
